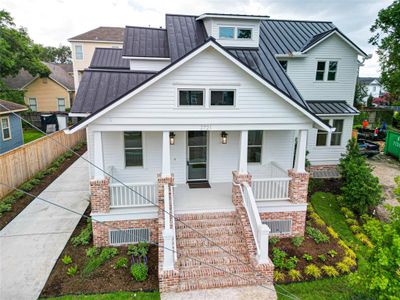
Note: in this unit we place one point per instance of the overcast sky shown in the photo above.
(52, 22)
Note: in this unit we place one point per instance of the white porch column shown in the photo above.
(166, 156)
(98, 155)
(244, 135)
(300, 162)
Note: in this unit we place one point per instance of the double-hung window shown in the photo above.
(333, 139)
(322, 136)
(254, 147)
(61, 104)
(5, 128)
(191, 97)
(79, 52)
(336, 137)
(32, 104)
(133, 146)
(223, 98)
(326, 67)
(332, 70)
(320, 74)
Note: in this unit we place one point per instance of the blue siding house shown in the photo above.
(11, 134)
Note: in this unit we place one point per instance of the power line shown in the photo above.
(140, 195)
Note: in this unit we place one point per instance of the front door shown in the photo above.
(197, 156)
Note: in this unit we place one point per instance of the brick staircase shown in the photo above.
(225, 230)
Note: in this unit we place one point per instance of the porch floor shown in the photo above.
(214, 199)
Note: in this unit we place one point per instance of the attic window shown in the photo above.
(244, 33)
(226, 32)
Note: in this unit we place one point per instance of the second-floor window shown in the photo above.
(61, 104)
(234, 32)
(78, 52)
(254, 148)
(224, 98)
(320, 71)
(32, 104)
(133, 146)
(191, 97)
(5, 128)
(226, 32)
(326, 71)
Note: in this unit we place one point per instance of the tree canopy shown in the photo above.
(59, 55)
(386, 36)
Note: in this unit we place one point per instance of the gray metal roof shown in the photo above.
(332, 108)
(145, 42)
(108, 58)
(98, 88)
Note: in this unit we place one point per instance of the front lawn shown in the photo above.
(31, 135)
(113, 296)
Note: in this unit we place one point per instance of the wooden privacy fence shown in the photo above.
(22, 163)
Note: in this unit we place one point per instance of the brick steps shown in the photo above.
(203, 242)
(208, 223)
(212, 250)
(219, 282)
(206, 216)
(223, 259)
(208, 232)
(219, 270)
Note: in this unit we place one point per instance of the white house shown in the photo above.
(210, 122)
(371, 87)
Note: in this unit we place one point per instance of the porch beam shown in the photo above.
(244, 135)
(98, 155)
(300, 161)
(166, 155)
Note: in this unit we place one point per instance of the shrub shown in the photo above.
(50, 170)
(139, 271)
(330, 271)
(295, 275)
(278, 258)
(332, 253)
(34, 181)
(66, 260)
(291, 263)
(9, 199)
(84, 236)
(322, 257)
(342, 267)
(355, 228)
(26, 187)
(68, 154)
(347, 213)
(122, 262)
(92, 251)
(274, 240)
(351, 222)
(279, 276)
(5, 207)
(350, 253)
(332, 232)
(349, 261)
(18, 194)
(57, 162)
(97, 261)
(312, 271)
(364, 239)
(40, 175)
(72, 270)
(139, 250)
(310, 208)
(307, 257)
(297, 241)
(317, 235)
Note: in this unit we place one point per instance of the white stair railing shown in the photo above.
(260, 230)
(121, 196)
(169, 235)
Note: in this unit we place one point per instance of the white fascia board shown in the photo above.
(80, 115)
(291, 55)
(164, 73)
(208, 16)
(12, 111)
(146, 58)
(342, 37)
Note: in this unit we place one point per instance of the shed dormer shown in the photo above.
(229, 30)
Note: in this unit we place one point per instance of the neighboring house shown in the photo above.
(83, 46)
(210, 118)
(54, 93)
(11, 134)
(372, 87)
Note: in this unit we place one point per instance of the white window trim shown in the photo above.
(29, 103)
(58, 103)
(326, 70)
(188, 88)
(81, 45)
(2, 128)
(329, 136)
(143, 151)
(235, 32)
(222, 106)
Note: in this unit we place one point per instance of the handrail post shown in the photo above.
(263, 236)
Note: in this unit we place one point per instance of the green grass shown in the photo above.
(31, 135)
(113, 296)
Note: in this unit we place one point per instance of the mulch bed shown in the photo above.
(23, 202)
(104, 279)
(325, 185)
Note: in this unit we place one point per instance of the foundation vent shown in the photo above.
(279, 226)
(129, 236)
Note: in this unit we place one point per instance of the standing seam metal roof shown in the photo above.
(108, 58)
(332, 108)
(145, 42)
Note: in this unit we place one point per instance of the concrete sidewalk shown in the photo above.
(32, 242)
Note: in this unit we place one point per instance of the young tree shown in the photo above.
(386, 31)
(361, 190)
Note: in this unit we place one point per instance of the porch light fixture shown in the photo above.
(224, 137)
(172, 138)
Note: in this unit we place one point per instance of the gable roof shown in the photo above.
(7, 107)
(145, 42)
(210, 42)
(58, 73)
(367, 80)
(102, 33)
(108, 58)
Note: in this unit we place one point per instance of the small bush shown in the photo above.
(349, 261)
(351, 222)
(364, 239)
(297, 241)
(279, 258)
(26, 187)
(122, 262)
(50, 170)
(332, 253)
(350, 253)
(58, 162)
(40, 175)
(84, 236)
(97, 261)
(72, 270)
(332, 232)
(68, 154)
(66, 260)
(317, 235)
(322, 257)
(342, 268)
(92, 251)
(330, 271)
(139, 250)
(291, 263)
(307, 257)
(9, 199)
(310, 208)
(273, 241)
(139, 271)
(295, 275)
(18, 194)
(355, 228)
(279, 276)
(347, 213)
(312, 271)
(4, 207)
(34, 181)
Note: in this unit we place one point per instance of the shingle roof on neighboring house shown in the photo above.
(8, 107)
(100, 87)
(108, 58)
(58, 74)
(145, 42)
(332, 108)
(367, 80)
(112, 34)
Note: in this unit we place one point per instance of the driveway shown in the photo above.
(32, 242)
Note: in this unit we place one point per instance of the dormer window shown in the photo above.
(226, 32)
(235, 33)
(244, 33)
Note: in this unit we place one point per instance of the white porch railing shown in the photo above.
(275, 187)
(122, 196)
(260, 231)
(169, 235)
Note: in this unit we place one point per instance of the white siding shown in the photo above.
(302, 72)
(148, 64)
(328, 155)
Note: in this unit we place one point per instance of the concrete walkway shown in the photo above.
(32, 242)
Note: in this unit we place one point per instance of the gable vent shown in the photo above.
(279, 226)
(129, 236)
